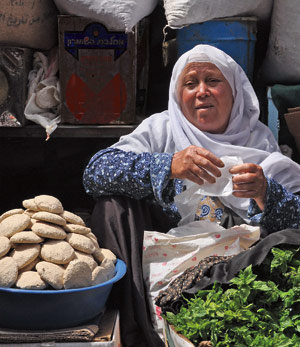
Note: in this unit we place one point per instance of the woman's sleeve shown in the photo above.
(138, 175)
(282, 209)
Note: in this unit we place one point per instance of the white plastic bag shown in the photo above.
(180, 13)
(187, 201)
(166, 256)
(120, 15)
(43, 102)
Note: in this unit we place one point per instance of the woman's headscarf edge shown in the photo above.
(241, 87)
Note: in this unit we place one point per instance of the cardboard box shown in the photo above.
(15, 64)
(173, 339)
(97, 72)
(107, 336)
(292, 118)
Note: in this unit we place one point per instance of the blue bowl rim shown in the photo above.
(120, 272)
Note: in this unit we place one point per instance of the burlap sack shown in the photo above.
(29, 24)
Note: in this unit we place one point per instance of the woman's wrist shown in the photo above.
(260, 203)
(261, 200)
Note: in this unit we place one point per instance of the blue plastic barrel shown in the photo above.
(234, 35)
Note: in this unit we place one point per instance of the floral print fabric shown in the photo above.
(147, 175)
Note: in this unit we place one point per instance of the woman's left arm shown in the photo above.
(281, 210)
(113, 171)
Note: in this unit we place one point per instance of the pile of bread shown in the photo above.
(42, 246)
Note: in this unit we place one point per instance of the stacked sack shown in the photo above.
(28, 24)
(181, 13)
(281, 64)
(118, 15)
(45, 247)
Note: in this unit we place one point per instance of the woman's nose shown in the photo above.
(202, 89)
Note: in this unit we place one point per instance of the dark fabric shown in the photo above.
(230, 218)
(224, 272)
(119, 223)
(191, 276)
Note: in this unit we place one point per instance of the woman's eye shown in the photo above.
(214, 80)
(190, 83)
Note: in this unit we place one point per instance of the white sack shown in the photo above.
(180, 13)
(282, 62)
(120, 15)
(166, 256)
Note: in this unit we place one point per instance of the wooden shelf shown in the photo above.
(101, 131)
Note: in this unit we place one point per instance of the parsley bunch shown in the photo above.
(258, 308)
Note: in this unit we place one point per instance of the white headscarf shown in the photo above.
(245, 135)
(244, 115)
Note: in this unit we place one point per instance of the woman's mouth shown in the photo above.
(203, 107)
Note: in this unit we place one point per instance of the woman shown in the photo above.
(212, 112)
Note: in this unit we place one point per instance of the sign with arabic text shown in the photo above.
(95, 36)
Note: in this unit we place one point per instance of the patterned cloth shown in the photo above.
(282, 209)
(147, 175)
(211, 208)
(186, 280)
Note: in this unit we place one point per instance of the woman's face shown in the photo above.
(205, 97)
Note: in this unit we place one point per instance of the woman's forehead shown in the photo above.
(200, 66)
(207, 68)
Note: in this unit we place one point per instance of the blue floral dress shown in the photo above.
(147, 175)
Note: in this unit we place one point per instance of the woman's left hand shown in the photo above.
(249, 182)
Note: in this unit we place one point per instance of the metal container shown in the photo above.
(97, 72)
(236, 36)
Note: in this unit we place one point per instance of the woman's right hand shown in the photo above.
(196, 164)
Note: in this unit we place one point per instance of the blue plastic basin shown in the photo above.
(54, 309)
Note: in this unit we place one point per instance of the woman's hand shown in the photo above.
(249, 182)
(196, 164)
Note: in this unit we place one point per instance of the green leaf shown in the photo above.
(259, 307)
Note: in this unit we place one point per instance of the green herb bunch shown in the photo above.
(259, 307)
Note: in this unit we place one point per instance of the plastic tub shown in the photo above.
(54, 309)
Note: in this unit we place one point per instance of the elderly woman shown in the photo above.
(212, 112)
